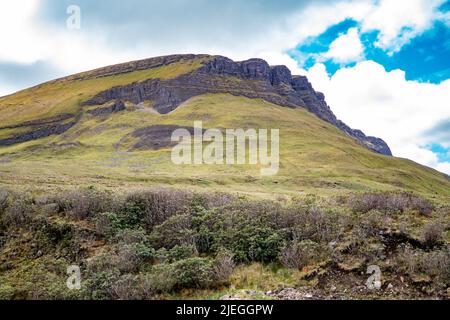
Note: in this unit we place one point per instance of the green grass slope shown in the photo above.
(64, 96)
(315, 156)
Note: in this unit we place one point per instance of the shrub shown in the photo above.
(4, 195)
(99, 285)
(441, 265)
(369, 225)
(193, 273)
(363, 203)
(255, 243)
(20, 212)
(130, 236)
(123, 258)
(155, 206)
(435, 264)
(6, 292)
(223, 266)
(389, 202)
(299, 254)
(317, 225)
(421, 205)
(107, 224)
(176, 230)
(131, 287)
(212, 200)
(131, 256)
(180, 252)
(58, 238)
(85, 203)
(161, 279)
(432, 234)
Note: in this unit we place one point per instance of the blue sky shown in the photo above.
(383, 65)
(425, 58)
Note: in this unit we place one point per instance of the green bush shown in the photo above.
(176, 230)
(155, 206)
(161, 279)
(180, 252)
(192, 273)
(124, 258)
(6, 292)
(131, 236)
(253, 243)
(99, 285)
(108, 223)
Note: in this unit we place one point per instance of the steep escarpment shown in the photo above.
(252, 78)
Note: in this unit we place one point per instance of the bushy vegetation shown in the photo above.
(396, 202)
(147, 244)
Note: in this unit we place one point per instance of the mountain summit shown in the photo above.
(274, 84)
(217, 74)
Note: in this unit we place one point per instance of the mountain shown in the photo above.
(112, 126)
(273, 84)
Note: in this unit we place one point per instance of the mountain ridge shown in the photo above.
(215, 74)
(297, 91)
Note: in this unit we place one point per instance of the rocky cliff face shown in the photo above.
(252, 78)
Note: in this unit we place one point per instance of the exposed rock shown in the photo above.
(156, 137)
(222, 75)
(37, 134)
(303, 293)
(41, 122)
(115, 107)
(280, 75)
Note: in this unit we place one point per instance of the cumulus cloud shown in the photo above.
(117, 31)
(114, 32)
(401, 20)
(441, 132)
(386, 105)
(347, 48)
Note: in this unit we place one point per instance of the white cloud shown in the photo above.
(386, 105)
(444, 167)
(27, 39)
(18, 32)
(346, 48)
(401, 20)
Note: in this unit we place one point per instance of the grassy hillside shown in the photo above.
(64, 96)
(315, 156)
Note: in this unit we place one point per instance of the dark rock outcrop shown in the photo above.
(115, 107)
(156, 137)
(37, 134)
(222, 75)
(41, 122)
